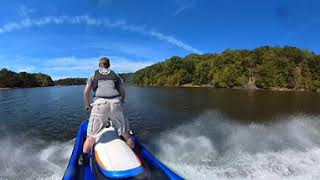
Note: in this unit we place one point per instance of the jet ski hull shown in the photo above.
(74, 172)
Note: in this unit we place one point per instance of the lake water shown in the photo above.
(200, 133)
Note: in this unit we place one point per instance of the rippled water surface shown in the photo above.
(200, 133)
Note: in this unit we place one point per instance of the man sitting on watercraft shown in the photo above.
(106, 108)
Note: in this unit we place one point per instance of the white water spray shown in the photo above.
(213, 147)
(210, 147)
(23, 159)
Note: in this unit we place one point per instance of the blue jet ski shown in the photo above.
(112, 158)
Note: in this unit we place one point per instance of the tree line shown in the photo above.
(10, 79)
(264, 67)
(70, 81)
(127, 77)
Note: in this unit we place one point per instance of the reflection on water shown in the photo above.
(202, 133)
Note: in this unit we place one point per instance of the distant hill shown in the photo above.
(10, 79)
(127, 77)
(70, 81)
(264, 67)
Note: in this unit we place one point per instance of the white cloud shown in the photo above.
(29, 69)
(104, 3)
(72, 66)
(133, 49)
(184, 5)
(61, 77)
(25, 11)
(125, 65)
(118, 64)
(89, 21)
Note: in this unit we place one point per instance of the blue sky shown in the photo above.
(65, 38)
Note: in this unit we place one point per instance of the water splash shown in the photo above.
(210, 147)
(23, 158)
(215, 147)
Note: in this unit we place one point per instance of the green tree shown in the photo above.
(303, 79)
(264, 67)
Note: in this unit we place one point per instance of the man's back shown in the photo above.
(105, 85)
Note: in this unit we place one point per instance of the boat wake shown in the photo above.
(33, 158)
(213, 147)
(210, 147)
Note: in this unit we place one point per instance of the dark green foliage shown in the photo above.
(11, 79)
(70, 81)
(8, 78)
(127, 77)
(264, 67)
(43, 80)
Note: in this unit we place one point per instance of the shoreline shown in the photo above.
(40, 87)
(238, 88)
(5, 88)
(195, 86)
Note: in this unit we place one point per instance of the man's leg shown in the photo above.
(127, 137)
(83, 158)
(93, 126)
(121, 123)
(88, 144)
(91, 131)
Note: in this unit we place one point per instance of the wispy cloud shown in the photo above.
(126, 65)
(124, 48)
(72, 66)
(29, 69)
(119, 64)
(184, 5)
(67, 66)
(24, 11)
(90, 21)
(103, 3)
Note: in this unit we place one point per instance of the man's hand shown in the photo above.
(86, 94)
(88, 108)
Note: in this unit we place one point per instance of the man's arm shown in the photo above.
(121, 90)
(86, 94)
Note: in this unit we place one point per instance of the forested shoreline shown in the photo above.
(277, 68)
(10, 79)
(70, 81)
(265, 67)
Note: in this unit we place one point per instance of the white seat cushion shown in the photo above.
(113, 154)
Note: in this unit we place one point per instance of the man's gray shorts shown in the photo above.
(105, 111)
